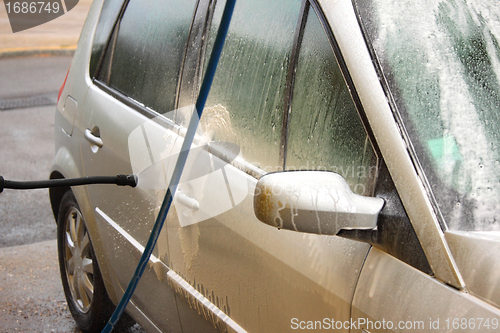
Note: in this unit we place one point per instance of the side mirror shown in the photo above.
(314, 202)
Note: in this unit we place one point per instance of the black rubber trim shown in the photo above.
(290, 79)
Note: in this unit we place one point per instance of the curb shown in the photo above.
(36, 51)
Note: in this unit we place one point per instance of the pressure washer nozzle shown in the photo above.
(127, 180)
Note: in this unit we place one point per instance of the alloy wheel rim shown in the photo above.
(78, 261)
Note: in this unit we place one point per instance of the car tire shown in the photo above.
(82, 282)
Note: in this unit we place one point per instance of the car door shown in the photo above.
(134, 83)
(238, 272)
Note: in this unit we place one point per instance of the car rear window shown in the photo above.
(107, 19)
(145, 58)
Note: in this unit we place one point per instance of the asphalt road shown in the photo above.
(27, 144)
(31, 76)
(32, 299)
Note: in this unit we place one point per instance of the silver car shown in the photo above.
(345, 174)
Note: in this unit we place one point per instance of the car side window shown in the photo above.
(107, 19)
(245, 104)
(148, 45)
(325, 131)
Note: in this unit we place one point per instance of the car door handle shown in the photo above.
(186, 201)
(95, 140)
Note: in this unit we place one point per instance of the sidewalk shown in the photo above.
(32, 297)
(32, 294)
(59, 36)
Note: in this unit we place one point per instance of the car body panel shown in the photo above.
(392, 291)
(68, 160)
(477, 255)
(131, 209)
(302, 269)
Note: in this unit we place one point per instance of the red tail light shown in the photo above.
(62, 87)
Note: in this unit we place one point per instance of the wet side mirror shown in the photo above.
(314, 202)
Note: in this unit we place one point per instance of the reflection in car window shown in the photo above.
(325, 131)
(149, 49)
(442, 63)
(245, 104)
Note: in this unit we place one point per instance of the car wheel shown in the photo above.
(82, 282)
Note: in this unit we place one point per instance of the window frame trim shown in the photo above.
(290, 80)
(398, 118)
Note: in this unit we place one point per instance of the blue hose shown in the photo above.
(179, 166)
